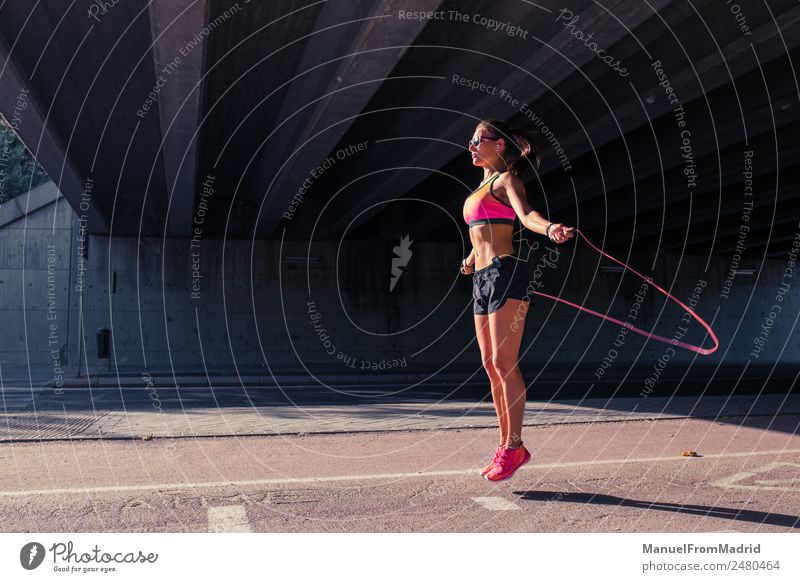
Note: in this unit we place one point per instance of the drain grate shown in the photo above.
(47, 425)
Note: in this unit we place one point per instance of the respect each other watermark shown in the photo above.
(317, 172)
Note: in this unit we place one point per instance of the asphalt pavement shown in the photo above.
(620, 476)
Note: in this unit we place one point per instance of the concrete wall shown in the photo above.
(251, 307)
(35, 294)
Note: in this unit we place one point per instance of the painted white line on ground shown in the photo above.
(228, 519)
(771, 484)
(334, 478)
(496, 503)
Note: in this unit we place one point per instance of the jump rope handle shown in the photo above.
(672, 341)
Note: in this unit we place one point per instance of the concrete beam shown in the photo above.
(31, 201)
(707, 185)
(715, 70)
(388, 31)
(36, 131)
(738, 60)
(172, 21)
(544, 62)
(320, 46)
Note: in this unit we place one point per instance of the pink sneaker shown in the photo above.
(490, 466)
(507, 463)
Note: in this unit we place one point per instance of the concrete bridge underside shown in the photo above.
(152, 112)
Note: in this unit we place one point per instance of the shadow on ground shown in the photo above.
(760, 517)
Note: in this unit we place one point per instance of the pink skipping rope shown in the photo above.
(675, 342)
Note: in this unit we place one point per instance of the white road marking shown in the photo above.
(772, 484)
(228, 519)
(496, 503)
(378, 476)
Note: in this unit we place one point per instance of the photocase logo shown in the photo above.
(31, 555)
(403, 252)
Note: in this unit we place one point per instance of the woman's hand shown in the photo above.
(561, 234)
(467, 269)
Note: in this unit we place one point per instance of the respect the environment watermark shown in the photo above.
(515, 102)
(171, 67)
(744, 227)
(53, 337)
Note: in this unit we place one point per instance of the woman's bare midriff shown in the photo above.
(491, 240)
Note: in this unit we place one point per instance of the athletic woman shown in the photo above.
(499, 280)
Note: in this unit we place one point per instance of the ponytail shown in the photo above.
(521, 152)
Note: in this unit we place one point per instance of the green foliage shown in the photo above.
(19, 171)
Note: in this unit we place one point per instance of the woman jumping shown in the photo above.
(499, 281)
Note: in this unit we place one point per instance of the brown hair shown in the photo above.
(520, 147)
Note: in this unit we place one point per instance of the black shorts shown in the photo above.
(491, 286)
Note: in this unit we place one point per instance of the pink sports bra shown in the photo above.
(480, 208)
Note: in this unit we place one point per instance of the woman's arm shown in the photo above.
(468, 264)
(470, 260)
(530, 219)
(515, 190)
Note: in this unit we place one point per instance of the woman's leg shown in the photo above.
(506, 326)
(485, 343)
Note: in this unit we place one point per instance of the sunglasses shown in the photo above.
(476, 141)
